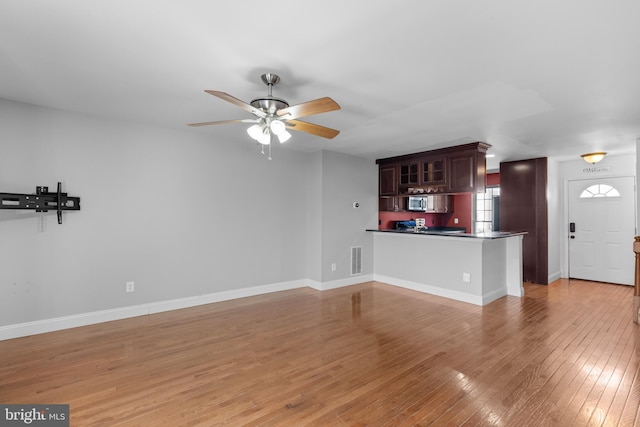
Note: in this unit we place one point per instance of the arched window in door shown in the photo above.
(599, 190)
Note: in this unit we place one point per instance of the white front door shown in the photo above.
(601, 229)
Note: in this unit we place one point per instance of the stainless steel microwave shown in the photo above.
(417, 204)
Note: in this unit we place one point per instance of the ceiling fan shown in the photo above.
(274, 115)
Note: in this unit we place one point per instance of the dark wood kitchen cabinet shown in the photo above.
(433, 171)
(392, 204)
(388, 185)
(459, 169)
(466, 172)
(409, 174)
(438, 203)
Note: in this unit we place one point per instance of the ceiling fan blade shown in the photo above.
(237, 102)
(318, 130)
(224, 122)
(317, 106)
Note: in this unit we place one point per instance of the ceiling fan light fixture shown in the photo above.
(278, 127)
(594, 157)
(283, 136)
(255, 131)
(260, 133)
(265, 137)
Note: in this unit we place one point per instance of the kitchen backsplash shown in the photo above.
(462, 210)
(387, 219)
(462, 207)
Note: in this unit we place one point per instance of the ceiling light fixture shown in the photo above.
(284, 137)
(277, 126)
(594, 157)
(260, 133)
(265, 136)
(255, 131)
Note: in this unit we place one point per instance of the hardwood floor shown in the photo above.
(567, 354)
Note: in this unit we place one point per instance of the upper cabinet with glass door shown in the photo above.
(433, 171)
(448, 170)
(409, 174)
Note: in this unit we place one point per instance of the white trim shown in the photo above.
(553, 277)
(83, 319)
(341, 283)
(494, 295)
(432, 290)
(313, 284)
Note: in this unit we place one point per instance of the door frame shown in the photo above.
(565, 216)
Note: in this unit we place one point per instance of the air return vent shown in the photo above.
(356, 260)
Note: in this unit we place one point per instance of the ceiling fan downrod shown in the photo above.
(269, 104)
(270, 80)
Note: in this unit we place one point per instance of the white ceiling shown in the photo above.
(532, 78)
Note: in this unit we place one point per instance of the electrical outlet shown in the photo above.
(333, 267)
(466, 277)
(455, 220)
(131, 286)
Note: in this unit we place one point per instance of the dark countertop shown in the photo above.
(427, 232)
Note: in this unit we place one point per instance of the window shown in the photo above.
(599, 190)
(487, 210)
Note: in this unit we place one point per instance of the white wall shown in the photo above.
(345, 180)
(336, 182)
(164, 208)
(610, 166)
(314, 196)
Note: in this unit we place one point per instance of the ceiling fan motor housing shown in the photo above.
(269, 104)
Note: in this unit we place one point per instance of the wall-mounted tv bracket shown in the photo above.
(42, 201)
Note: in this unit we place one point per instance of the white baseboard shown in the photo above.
(492, 296)
(432, 290)
(340, 283)
(84, 319)
(158, 307)
(553, 277)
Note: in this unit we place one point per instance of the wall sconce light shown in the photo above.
(593, 158)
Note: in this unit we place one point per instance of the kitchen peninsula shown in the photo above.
(474, 268)
(439, 259)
